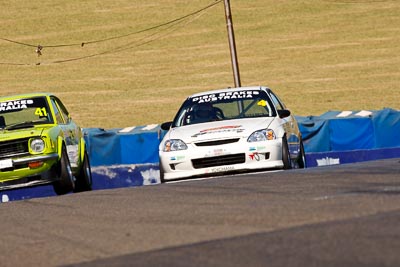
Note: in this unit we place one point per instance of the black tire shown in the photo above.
(84, 177)
(287, 161)
(161, 173)
(65, 182)
(301, 159)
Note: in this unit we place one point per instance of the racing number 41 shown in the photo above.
(41, 112)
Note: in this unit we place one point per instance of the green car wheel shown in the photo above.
(66, 182)
(84, 178)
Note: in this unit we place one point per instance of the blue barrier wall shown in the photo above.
(350, 136)
(339, 137)
(343, 157)
(133, 145)
(351, 130)
(129, 157)
(118, 157)
(104, 177)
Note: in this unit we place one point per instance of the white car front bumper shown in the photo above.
(216, 159)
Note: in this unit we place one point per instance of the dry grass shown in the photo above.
(317, 55)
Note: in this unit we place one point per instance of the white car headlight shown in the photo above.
(262, 135)
(174, 145)
(37, 145)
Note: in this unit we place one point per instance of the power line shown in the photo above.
(170, 25)
(143, 41)
(14, 64)
(118, 36)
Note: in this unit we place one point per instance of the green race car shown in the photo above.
(40, 144)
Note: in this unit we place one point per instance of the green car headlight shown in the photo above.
(37, 145)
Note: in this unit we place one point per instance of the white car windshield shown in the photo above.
(224, 106)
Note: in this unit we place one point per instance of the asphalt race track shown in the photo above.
(345, 215)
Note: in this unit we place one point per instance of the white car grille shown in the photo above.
(219, 161)
(217, 142)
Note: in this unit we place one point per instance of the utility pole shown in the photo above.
(232, 44)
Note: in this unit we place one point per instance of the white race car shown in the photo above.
(230, 130)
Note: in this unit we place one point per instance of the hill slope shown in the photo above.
(317, 55)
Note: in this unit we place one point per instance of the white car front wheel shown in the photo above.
(287, 161)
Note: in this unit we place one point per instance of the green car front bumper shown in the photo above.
(26, 171)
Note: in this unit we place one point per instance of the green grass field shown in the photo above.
(317, 55)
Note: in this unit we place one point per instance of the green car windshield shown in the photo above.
(24, 113)
(225, 106)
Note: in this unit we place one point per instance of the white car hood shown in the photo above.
(219, 129)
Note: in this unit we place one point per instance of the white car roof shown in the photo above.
(247, 88)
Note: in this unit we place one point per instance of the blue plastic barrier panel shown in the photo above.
(127, 175)
(131, 145)
(104, 177)
(350, 130)
(344, 157)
